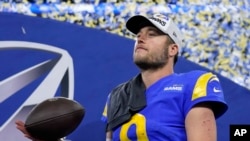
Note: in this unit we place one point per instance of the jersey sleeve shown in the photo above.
(206, 88)
(104, 113)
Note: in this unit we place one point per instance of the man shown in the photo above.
(158, 104)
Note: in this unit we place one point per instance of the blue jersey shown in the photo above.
(168, 102)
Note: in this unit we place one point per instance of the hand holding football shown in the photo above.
(54, 118)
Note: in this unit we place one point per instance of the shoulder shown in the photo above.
(197, 81)
(197, 76)
(204, 86)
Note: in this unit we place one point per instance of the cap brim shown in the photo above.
(135, 23)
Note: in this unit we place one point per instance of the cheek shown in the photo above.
(157, 42)
(157, 46)
(161, 51)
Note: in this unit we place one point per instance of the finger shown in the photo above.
(19, 122)
(20, 126)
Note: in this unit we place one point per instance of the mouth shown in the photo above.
(140, 48)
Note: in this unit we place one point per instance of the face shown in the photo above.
(151, 48)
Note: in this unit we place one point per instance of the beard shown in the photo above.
(153, 61)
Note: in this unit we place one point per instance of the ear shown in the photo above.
(173, 49)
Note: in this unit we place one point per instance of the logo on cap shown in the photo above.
(163, 23)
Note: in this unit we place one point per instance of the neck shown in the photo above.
(149, 77)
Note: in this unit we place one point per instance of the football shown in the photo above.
(54, 118)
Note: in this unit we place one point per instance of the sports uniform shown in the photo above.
(157, 113)
(168, 102)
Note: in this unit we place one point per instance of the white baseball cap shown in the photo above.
(163, 23)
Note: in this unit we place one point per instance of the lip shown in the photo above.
(140, 48)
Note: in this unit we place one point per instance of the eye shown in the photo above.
(152, 34)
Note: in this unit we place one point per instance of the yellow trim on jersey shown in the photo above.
(105, 110)
(200, 88)
(139, 121)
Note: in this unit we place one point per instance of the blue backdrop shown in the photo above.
(101, 61)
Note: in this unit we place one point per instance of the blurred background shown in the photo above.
(217, 32)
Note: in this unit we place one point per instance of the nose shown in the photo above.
(140, 38)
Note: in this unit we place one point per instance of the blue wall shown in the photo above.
(101, 61)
